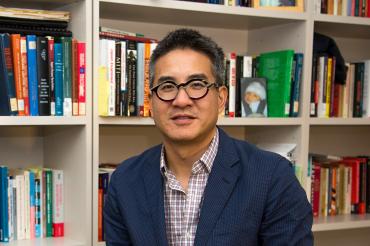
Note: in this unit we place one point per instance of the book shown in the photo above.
(58, 203)
(67, 75)
(253, 97)
(51, 70)
(58, 76)
(8, 99)
(4, 226)
(24, 74)
(232, 83)
(81, 77)
(34, 14)
(16, 53)
(43, 76)
(296, 85)
(32, 75)
(276, 67)
(75, 77)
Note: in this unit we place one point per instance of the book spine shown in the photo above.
(140, 79)
(58, 75)
(232, 83)
(9, 73)
(131, 77)
(238, 77)
(124, 83)
(74, 75)
(32, 204)
(49, 203)
(111, 50)
(118, 69)
(51, 74)
(146, 79)
(4, 226)
(32, 75)
(24, 74)
(67, 75)
(58, 203)
(81, 73)
(316, 190)
(16, 51)
(38, 229)
(298, 57)
(43, 76)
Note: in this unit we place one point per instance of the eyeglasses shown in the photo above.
(195, 88)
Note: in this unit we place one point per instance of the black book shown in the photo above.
(33, 22)
(43, 75)
(131, 77)
(34, 31)
(118, 64)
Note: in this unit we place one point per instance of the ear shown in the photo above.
(150, 104)
(222, 97)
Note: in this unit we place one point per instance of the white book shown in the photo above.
(247, 66)
(232, 83)
(58, 203)
(21, 220)
(366, 91)
(321, 106)
(335, 9)
(10, 209)
(27, 207)
(284, 149)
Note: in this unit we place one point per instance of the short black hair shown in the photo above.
(187, 38)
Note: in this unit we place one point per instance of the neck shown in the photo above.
(180, 156)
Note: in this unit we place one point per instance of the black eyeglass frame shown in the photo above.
(185, 84)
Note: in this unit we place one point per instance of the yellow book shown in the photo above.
(328, 86)
(103, 91)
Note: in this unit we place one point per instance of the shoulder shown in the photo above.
(131, 168)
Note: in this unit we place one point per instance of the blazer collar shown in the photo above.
(221, 182)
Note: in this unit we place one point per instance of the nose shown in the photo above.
(182, 98)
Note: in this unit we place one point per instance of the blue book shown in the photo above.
(4, 228)
(32, 75)
(8, 99)
(58, 78)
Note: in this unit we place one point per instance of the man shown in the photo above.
(201, 187)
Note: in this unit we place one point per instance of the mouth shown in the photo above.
(182, 118)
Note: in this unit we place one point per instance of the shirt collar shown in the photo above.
(206, 159)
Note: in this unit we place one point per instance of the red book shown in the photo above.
(24, 74)
(354, 163)
(81, 73)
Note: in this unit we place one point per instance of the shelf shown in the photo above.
(222, 121)
(195, 14)
(343, 26)
(339, 121)
(44, 242)
(341, 222)
(42, 120)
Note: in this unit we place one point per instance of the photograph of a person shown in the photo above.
(291, 5)
(254, 97)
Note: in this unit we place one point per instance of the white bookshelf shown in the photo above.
(58, 142)
(341, 222)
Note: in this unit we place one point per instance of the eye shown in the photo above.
(197, 85)
(167, 87)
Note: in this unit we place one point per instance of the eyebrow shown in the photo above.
(193, 76)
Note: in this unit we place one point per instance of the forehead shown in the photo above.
(181, 63)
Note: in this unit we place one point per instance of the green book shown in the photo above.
(49, 202)
(67, 75)
(276, 67)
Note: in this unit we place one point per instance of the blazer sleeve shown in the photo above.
(116, 233)
(287, 218)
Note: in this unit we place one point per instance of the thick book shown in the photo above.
(32, 75)
(296, 85)
(51, 74)
(58, 203)
(43, 76)
(4, 226)
(58, 76)
(276, 67)
(17, 68)
(81, 77)
(147, 53)
(8, 99)
(67, 75)
(24, 74)
(232, 83)
(49, 202)
(132, 77)
(140, 79)
(118, 78)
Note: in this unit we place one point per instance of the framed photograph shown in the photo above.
(253, 97)
(292, 5)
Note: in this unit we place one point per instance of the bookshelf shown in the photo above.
(57, 142)
(242, 30)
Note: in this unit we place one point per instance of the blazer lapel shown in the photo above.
(153, 180)
(221, 182)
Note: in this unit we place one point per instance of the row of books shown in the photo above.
(332, 99)
(243, 3)
(359, 8)
(340, 185)
(267, 85)
(105, 172)
(42, 76)
(31, 203)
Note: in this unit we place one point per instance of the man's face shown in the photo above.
(251, 97)
(184, 119)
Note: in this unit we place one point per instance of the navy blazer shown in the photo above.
(252, 198)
